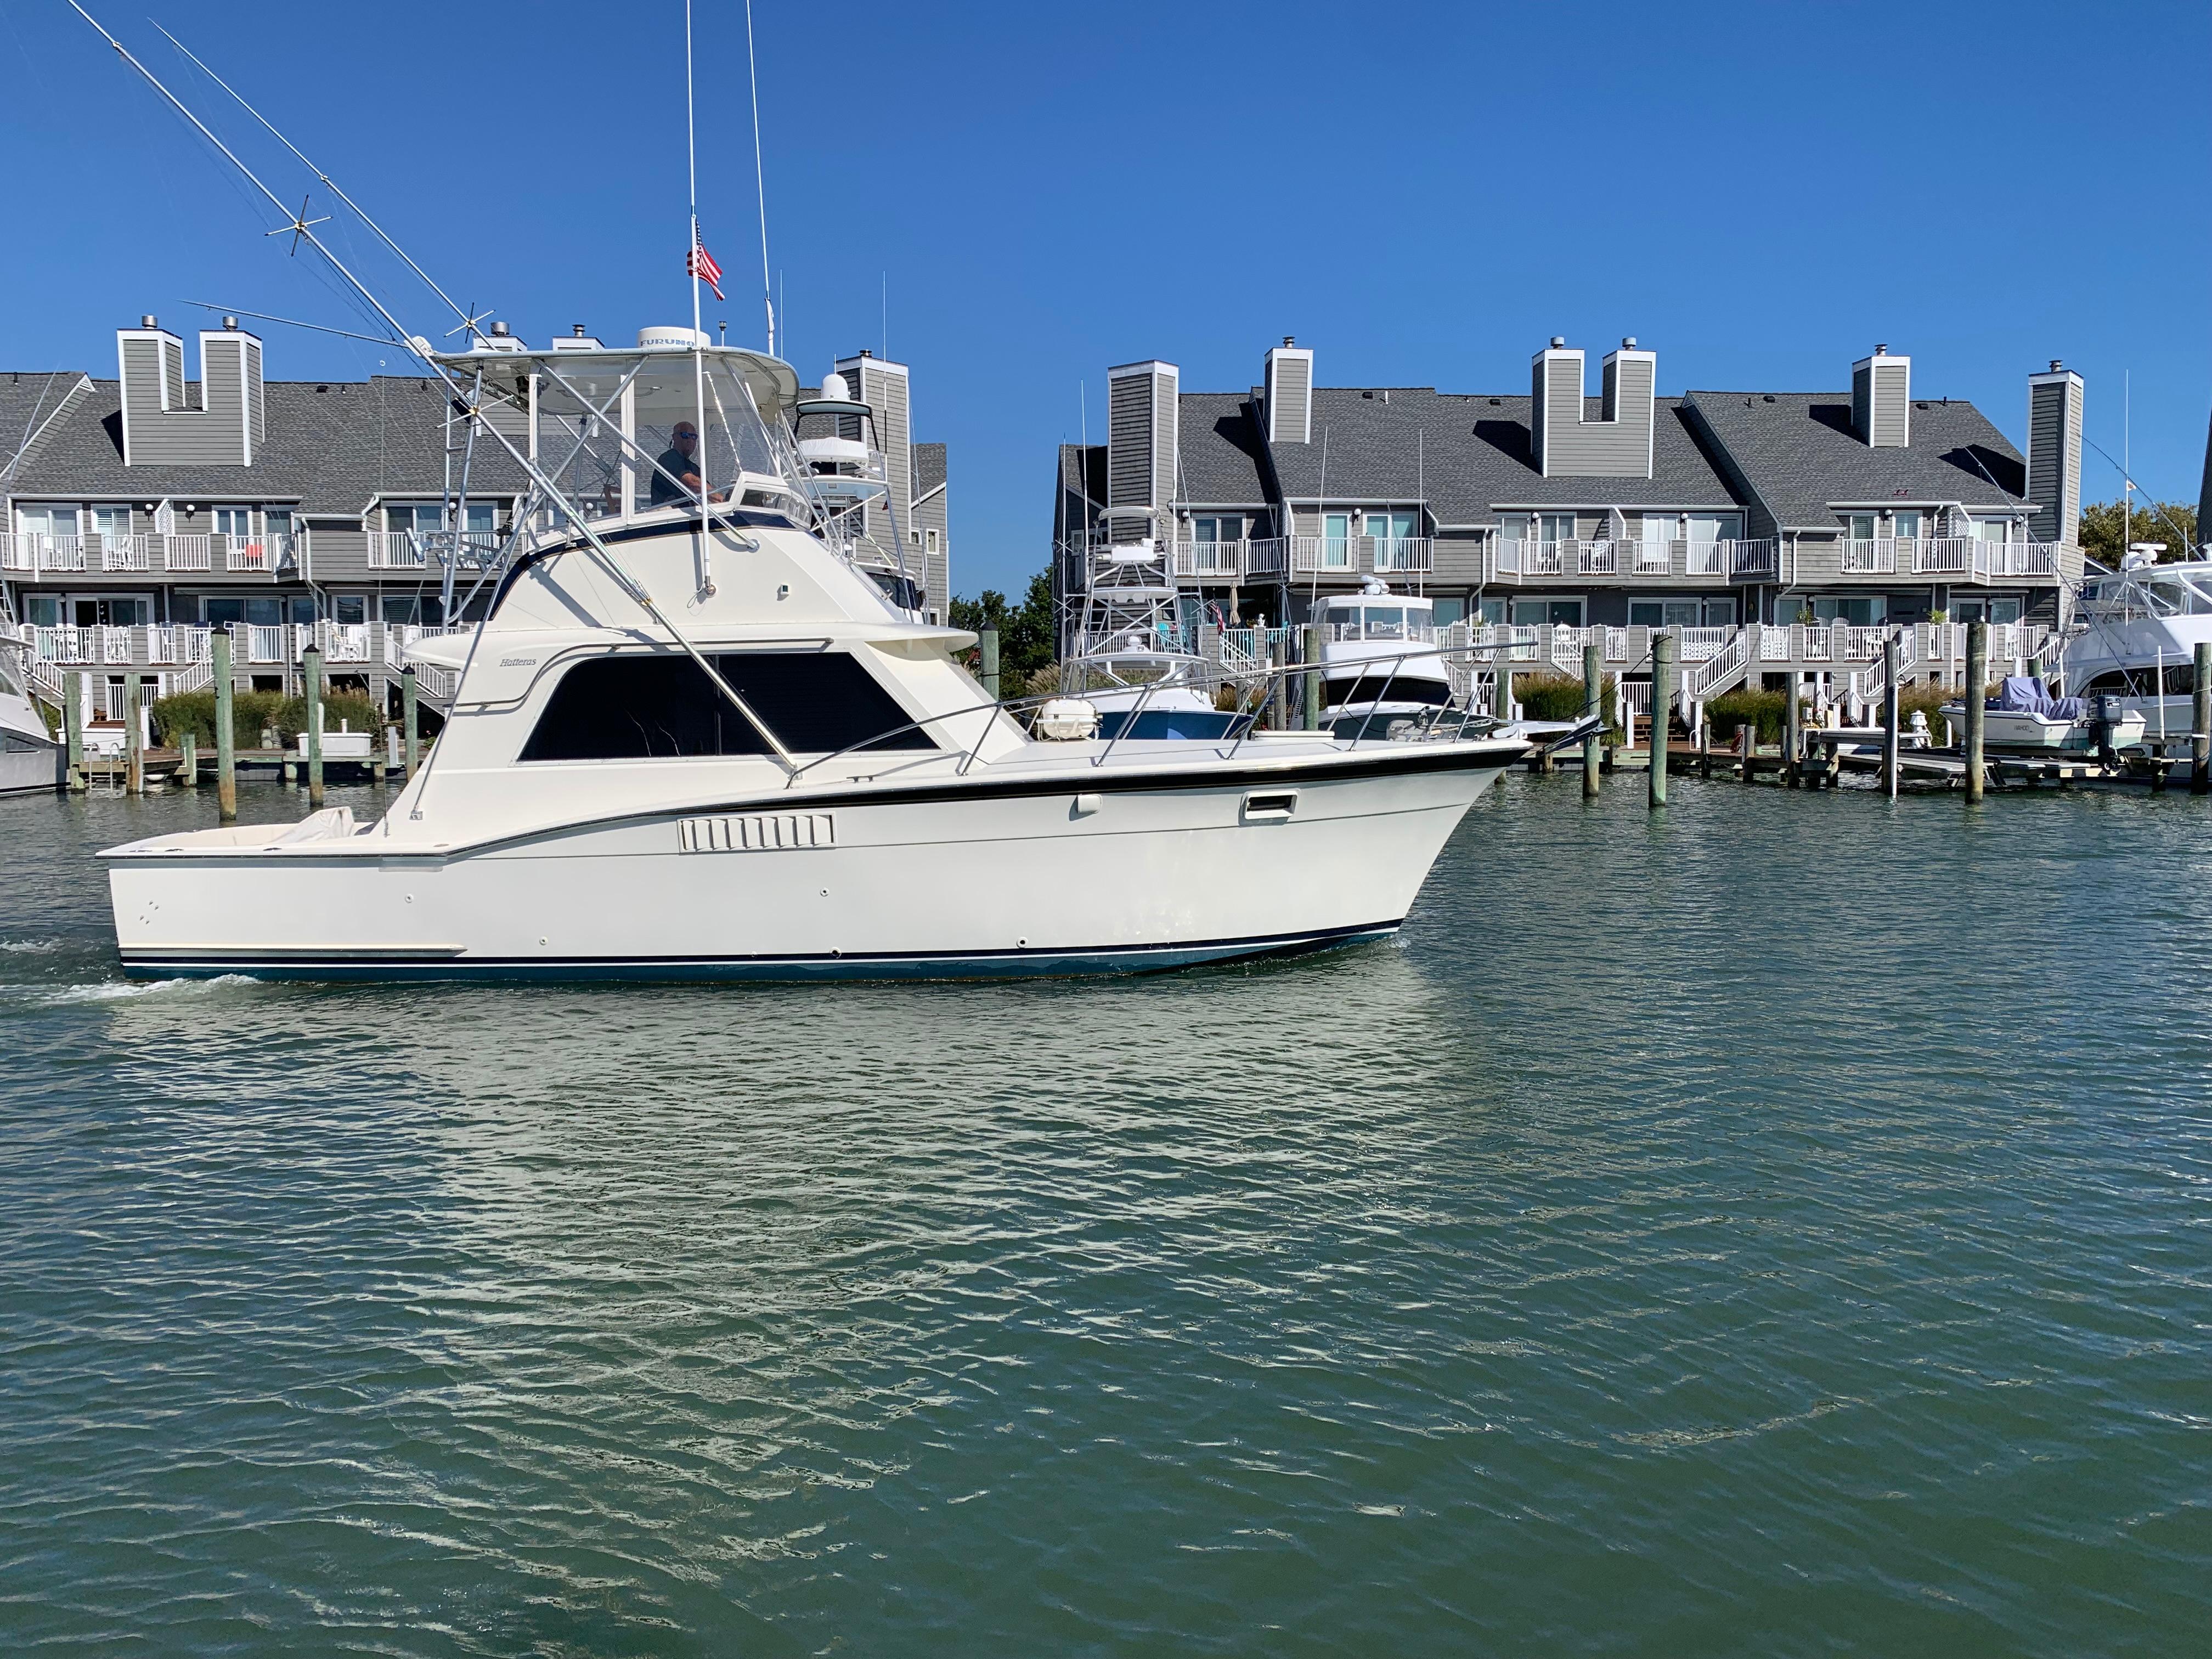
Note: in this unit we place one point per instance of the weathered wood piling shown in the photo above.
(1662, 706)
(1593, 708)
(226, 740)
(1977, 680)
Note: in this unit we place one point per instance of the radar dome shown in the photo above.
(834, 389)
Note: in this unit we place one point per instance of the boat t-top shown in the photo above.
(695, 736)
(2139, 628)
(1132, 661)
(1375, 678)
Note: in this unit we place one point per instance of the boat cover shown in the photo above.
(2024, 694)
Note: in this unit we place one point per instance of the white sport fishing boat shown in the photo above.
(30, 759)
(1376, 676)
(2139, 629)
(696, 740)
(1132, 663)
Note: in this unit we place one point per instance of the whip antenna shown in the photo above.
(760, 185)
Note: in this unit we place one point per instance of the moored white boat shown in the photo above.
(30, 758)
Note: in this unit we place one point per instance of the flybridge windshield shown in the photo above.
(623, 433)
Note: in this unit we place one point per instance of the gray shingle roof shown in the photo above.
(1798, 452)
(29, 401)
(928, 464)
(331, 447)
(1221, 451)
(1469, 454)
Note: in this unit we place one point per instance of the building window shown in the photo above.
(233, 522)
(1451, 609)
(42, 609)
(1662, 613)
(1336, 541)
(348, 609)
(1716, 526)
(1493, 610)
(1993, 530)
(111, 524)
(1218, 527)
(1547, 612)
(422, 517)
(1905, 526)
(262, 610)
(637, 707)
(111, 610)
(1853, 611)
(278, 520)
(931, 541)
(1555, 526)
(1859, 526)
(1988, 611)
(44, 519)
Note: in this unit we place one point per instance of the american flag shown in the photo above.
(702, 265)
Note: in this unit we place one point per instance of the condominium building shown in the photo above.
(1566, 505)
(138, 511)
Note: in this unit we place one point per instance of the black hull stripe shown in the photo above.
(986, 963)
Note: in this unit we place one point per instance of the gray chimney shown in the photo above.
(2054, 455)
(161, 427)
(1881, 400)
(1141, 435)
(887, 389)
(1618, 443)
(1289, 385)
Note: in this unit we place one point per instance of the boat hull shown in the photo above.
(1016, 880)
(34, 767)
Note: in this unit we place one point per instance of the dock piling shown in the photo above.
(134, 749)
(2200, 724)
(188, 760)
(76, 688)
(1975, 700)
(1314, 641)
(311, 675)
(409, 714)
(1889, 734)
(1662, 703)
(1593, 696)
(1278, 701)
(987, 645)
(1793, 729)
(1502, 697)
(226, 740)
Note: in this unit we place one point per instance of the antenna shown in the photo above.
(324, 179)
(760, 183)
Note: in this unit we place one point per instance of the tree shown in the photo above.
(2105, 539)
(1028, 635)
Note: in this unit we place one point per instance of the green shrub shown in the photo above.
(1557, 697)
(252, 713)
(1927, 700)
(347, 707)
(194, 712)
(1763, 711)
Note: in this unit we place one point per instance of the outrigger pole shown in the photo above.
(300, 227)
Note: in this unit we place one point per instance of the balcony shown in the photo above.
(193, 552)
(1640, 561)
(395, 550)
(1229, 560)
(1357, 556)
(257, 554)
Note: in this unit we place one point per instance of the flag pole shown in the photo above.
(692, 264)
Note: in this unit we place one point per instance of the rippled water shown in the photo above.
(1778, 1228)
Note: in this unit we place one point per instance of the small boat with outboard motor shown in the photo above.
(2025, 717)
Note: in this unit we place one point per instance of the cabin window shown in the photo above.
(639, 707)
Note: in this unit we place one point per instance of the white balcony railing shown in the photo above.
(1722, 561)
(259, 555)
(1401, 553)
(395, 550)
(1940, 555)
(1352, 556)
(123, 552)
(188, 552)
(1860, 556)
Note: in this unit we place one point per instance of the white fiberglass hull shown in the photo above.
(1113, 872)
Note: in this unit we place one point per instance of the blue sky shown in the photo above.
(1424, 194)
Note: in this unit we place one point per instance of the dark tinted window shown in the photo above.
(637, 707)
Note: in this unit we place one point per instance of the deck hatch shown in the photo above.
(756, 832)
